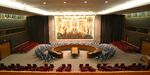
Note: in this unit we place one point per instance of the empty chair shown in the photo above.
(52, 65)
(61, 68)
(116, 65)
(13, 65)
(143, 67)
(98, 65)
(29, 65)
(91, 69)
(109, 68)
(68, 68)
(134, 64)
(139, 64)
(63, 65)
(83, 69)
(1, 64)
(86, 65)
(8, 68)
(34, 65)
(18, 65)
(122, 65)
(80, 65)
(41, 68)
(104, 64)
(46, 65)
(69, 65)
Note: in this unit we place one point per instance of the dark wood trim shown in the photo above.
(141, 43)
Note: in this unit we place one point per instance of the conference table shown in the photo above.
(75, 49)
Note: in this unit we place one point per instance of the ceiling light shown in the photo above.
(65, 2)
(44, 2)
(85, 2)
(22, 6)
(13, 0)
(127, 5)
(106, 2)
(25, 7)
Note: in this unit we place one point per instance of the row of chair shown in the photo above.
(54, 44)
(64, 67)
(107, 52)
(125, 46)
(86, 67)
(82, 67)
(25, 47)
(45, 52)
(123, 67)
(28, 67)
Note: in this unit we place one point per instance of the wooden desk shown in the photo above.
(80, 47)
(74, 51)
(5, 49)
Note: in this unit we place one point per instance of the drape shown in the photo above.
(112, 27)
(38, 29)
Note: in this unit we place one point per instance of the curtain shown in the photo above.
(38, 29)
(112, 27)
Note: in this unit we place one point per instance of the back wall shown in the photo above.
(97, 31)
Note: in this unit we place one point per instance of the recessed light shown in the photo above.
(106, 2)
(85, 2)
(13, 0)
(44, 2)
(24, 4)
(65, 2)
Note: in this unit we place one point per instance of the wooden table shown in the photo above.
(74, 51)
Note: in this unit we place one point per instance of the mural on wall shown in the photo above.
(74, 27)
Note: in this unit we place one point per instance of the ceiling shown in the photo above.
(73, 5)
(69, 6)
(14, 11)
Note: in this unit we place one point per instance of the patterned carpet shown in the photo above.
(30, 58)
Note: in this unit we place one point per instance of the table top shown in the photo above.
(74, 50)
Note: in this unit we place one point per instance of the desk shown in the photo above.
(5, 49)
(74, 51)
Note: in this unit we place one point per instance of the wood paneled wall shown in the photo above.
(145, 47)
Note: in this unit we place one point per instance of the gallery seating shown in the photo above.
(123, 67)
(126, 47)
(68, 68)
(28, 67)
(82, 67)
(64, 67)
(25, 47)
(86, 68)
